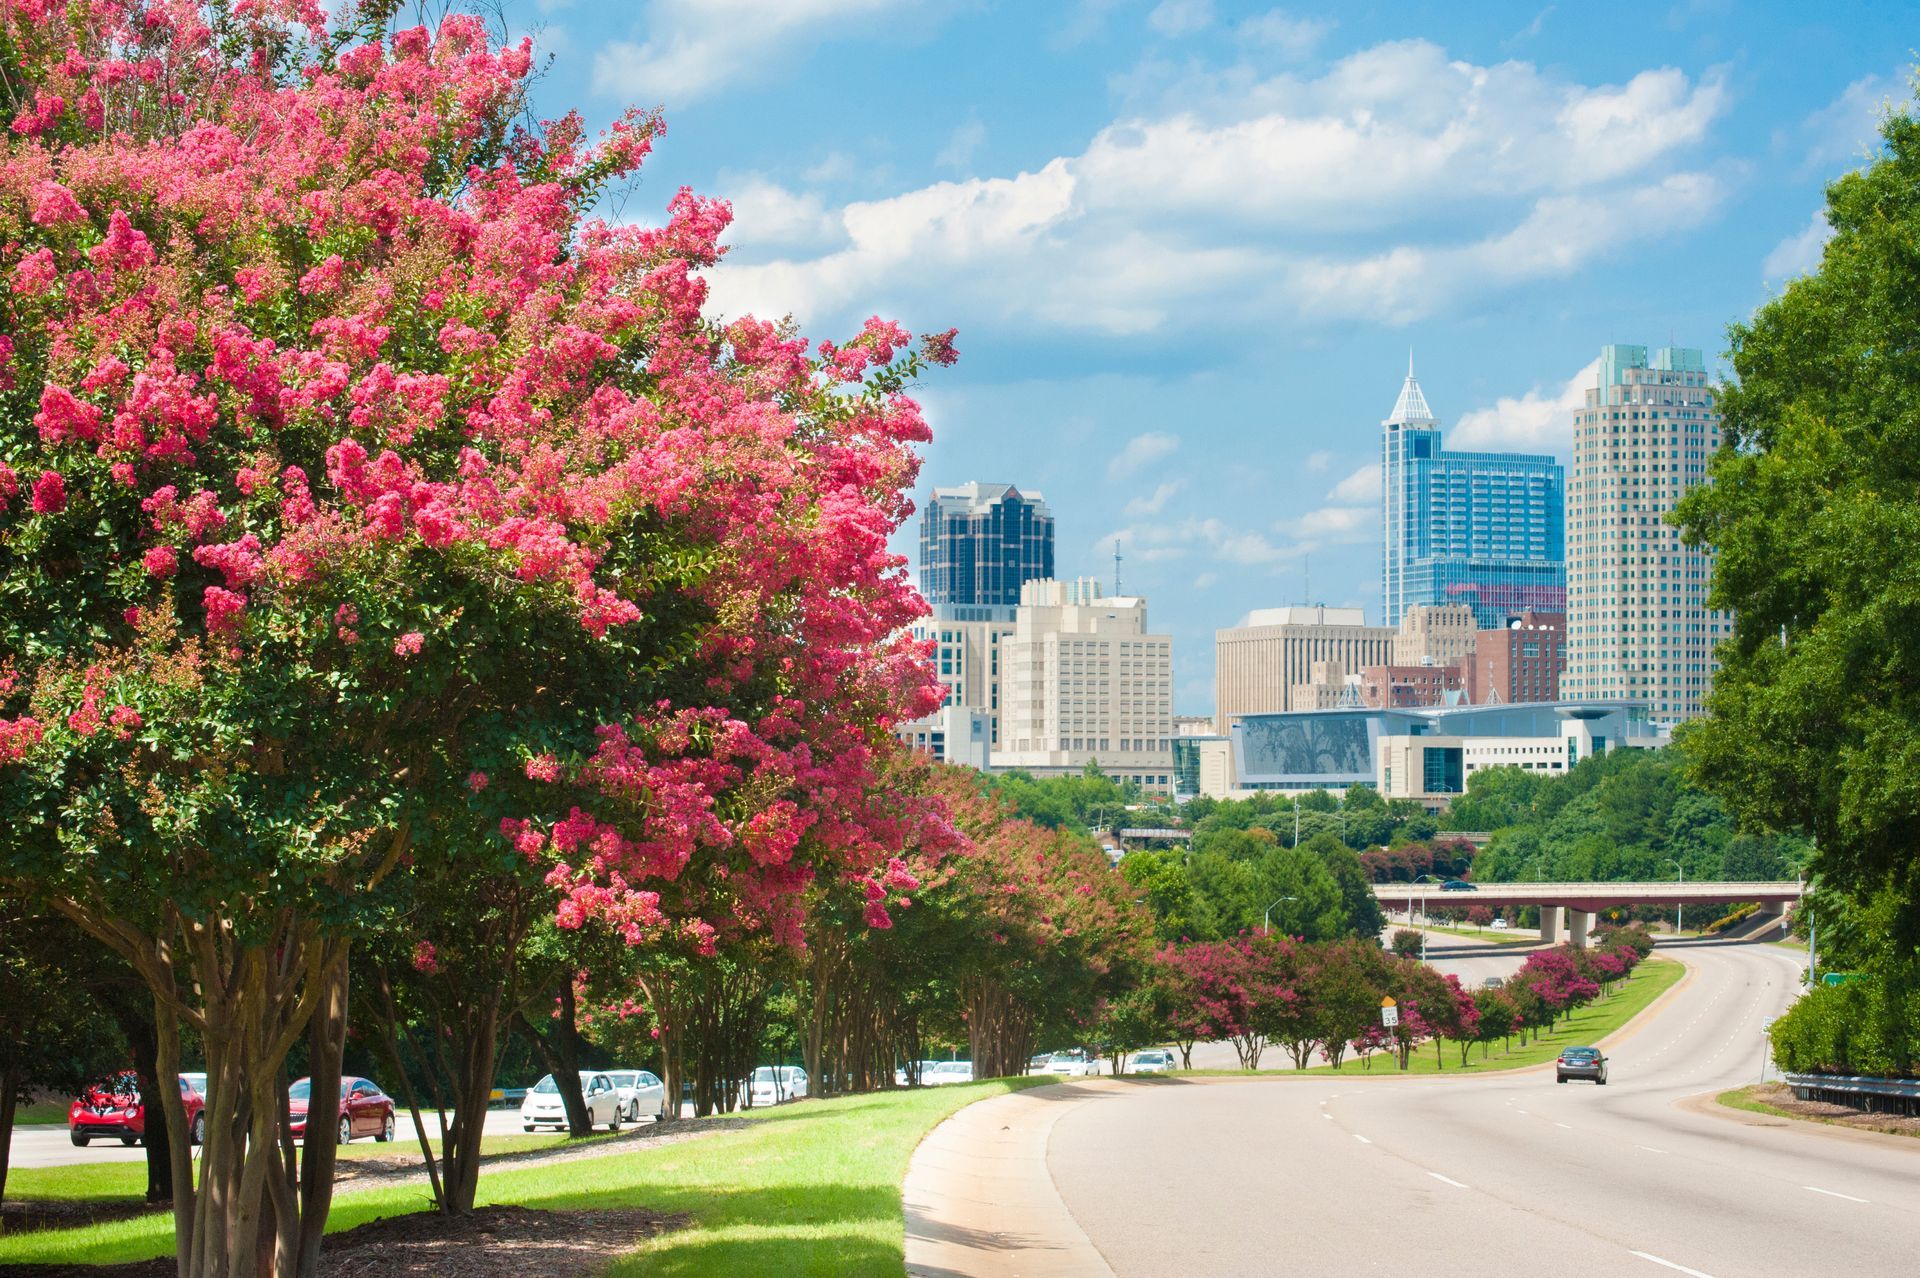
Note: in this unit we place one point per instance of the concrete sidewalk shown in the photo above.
(980, 1201)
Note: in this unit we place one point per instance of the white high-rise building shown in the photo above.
(1638, 625)
(1081, 680)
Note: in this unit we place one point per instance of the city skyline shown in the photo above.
(1187, 245)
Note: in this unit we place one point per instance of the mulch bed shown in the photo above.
(493, 1242)
(19, 1215)
(1781, 1097)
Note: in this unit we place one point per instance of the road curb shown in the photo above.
(980, 1201)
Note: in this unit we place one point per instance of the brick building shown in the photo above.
(1520, 663)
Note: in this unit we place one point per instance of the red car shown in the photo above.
(365, 1110)
(113, 1108)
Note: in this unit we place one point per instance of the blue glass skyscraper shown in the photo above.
(1483, 529)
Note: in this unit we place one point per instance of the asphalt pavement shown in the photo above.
(1502, 1173)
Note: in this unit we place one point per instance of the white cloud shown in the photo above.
(1336, 525)
(696, 46)
(1141, 507)
(1142, 450)
(767, 213)
(1799, 253)
(1843, 132)
(1291, 37)
(1223, 542)
(1397, 184)
(1181, 17)
(1538, 421)
(966, 139)
(1316, 462)
(1361, 485)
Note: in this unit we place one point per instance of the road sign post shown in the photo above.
(1389, 1013)
(1766, 1044)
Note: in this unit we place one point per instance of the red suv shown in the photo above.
(113, 1108)
(365, 1110)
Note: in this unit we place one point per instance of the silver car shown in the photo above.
(543, 1108)
(1153, 1060)
(640, 1092)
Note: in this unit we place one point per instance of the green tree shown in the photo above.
(1813, 512)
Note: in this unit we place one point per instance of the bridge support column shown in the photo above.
(1550, 924)
(1578, 927)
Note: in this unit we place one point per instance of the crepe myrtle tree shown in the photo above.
(346, 463)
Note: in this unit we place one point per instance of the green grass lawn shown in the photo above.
(1489, 935)
(1588, 1025)
(811, 1188)
(1753, 1098)
(49, 1113)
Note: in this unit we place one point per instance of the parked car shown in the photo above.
(1499, 925)
(640, 1092)
(543, 1107)
(114, 1109)
(1458, 885)
(922, 1074)
(1037, 1063)
(771, 1084)
(1581, 1062)
(1072, 1064)
(1152, 1060)
(365, 1110)
(950, 1072)
(1492, 983)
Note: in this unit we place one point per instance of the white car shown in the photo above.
(1072, 1064)
(771, 1084)
(923, 1075)
(542, 1107)
(948, 1072)
(1499, 925)
(640, 1093)
(1152, 1060)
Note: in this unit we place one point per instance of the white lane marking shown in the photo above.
(1567, 1126)
(1650, 1149)
(1446, 1180)
(1833, 1193)
(1647, 1255)
(1519, 1111)
(1362, 1139)
(1328, 1117)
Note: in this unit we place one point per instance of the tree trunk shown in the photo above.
(9, 1097)
(474, 1058)
(326, 1045)
(559, 1051)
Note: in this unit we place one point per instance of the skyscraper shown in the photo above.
(979, 543)
(1638, 625)
(1483, 529)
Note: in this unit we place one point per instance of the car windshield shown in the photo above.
(300, 1090)
(1151, 1056)
(765, 1074)
(1066, 1056)
(1580, 1053)
(546, 1086)
(624, 1079)
(196, 1081)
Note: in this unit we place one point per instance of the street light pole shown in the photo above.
(1266, 919)
(1679, 907)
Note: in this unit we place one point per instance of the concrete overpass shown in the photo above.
(1577, 903)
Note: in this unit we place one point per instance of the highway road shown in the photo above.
(1503, 1173)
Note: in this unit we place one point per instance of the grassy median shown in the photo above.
(1650, 979)
(810, 1188)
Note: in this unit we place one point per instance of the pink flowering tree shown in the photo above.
(363, 501)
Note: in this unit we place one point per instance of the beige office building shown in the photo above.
(1258, 663)
(1638, 626)
(1083, 681)
(1434, 635)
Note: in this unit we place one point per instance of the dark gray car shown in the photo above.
(1581, 1062)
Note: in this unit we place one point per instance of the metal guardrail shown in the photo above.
(1876, 1095)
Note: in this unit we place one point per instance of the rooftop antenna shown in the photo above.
(1409, 363)
(1116, 569)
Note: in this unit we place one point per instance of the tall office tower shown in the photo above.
(1082, 681)
(1638, 625)
(1483, 529)
(1259, 663)
(979, 543)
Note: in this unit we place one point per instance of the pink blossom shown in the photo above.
(476, 781)
(426, 959)
(409, 644)
(543, 767)
(223, 610)
(161, 561)
(49, 493)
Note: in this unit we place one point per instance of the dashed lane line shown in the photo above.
(1362, 1139)
(1833, 1193)
(1446, 1180)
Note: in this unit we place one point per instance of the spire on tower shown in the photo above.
(1411, 408)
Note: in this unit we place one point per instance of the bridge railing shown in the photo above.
(1705, 890)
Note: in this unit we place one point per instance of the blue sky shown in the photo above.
(1188, 244)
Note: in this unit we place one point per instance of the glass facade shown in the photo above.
(1484, 529)
(979, 543)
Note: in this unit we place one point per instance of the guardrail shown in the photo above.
(1874, 1095)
